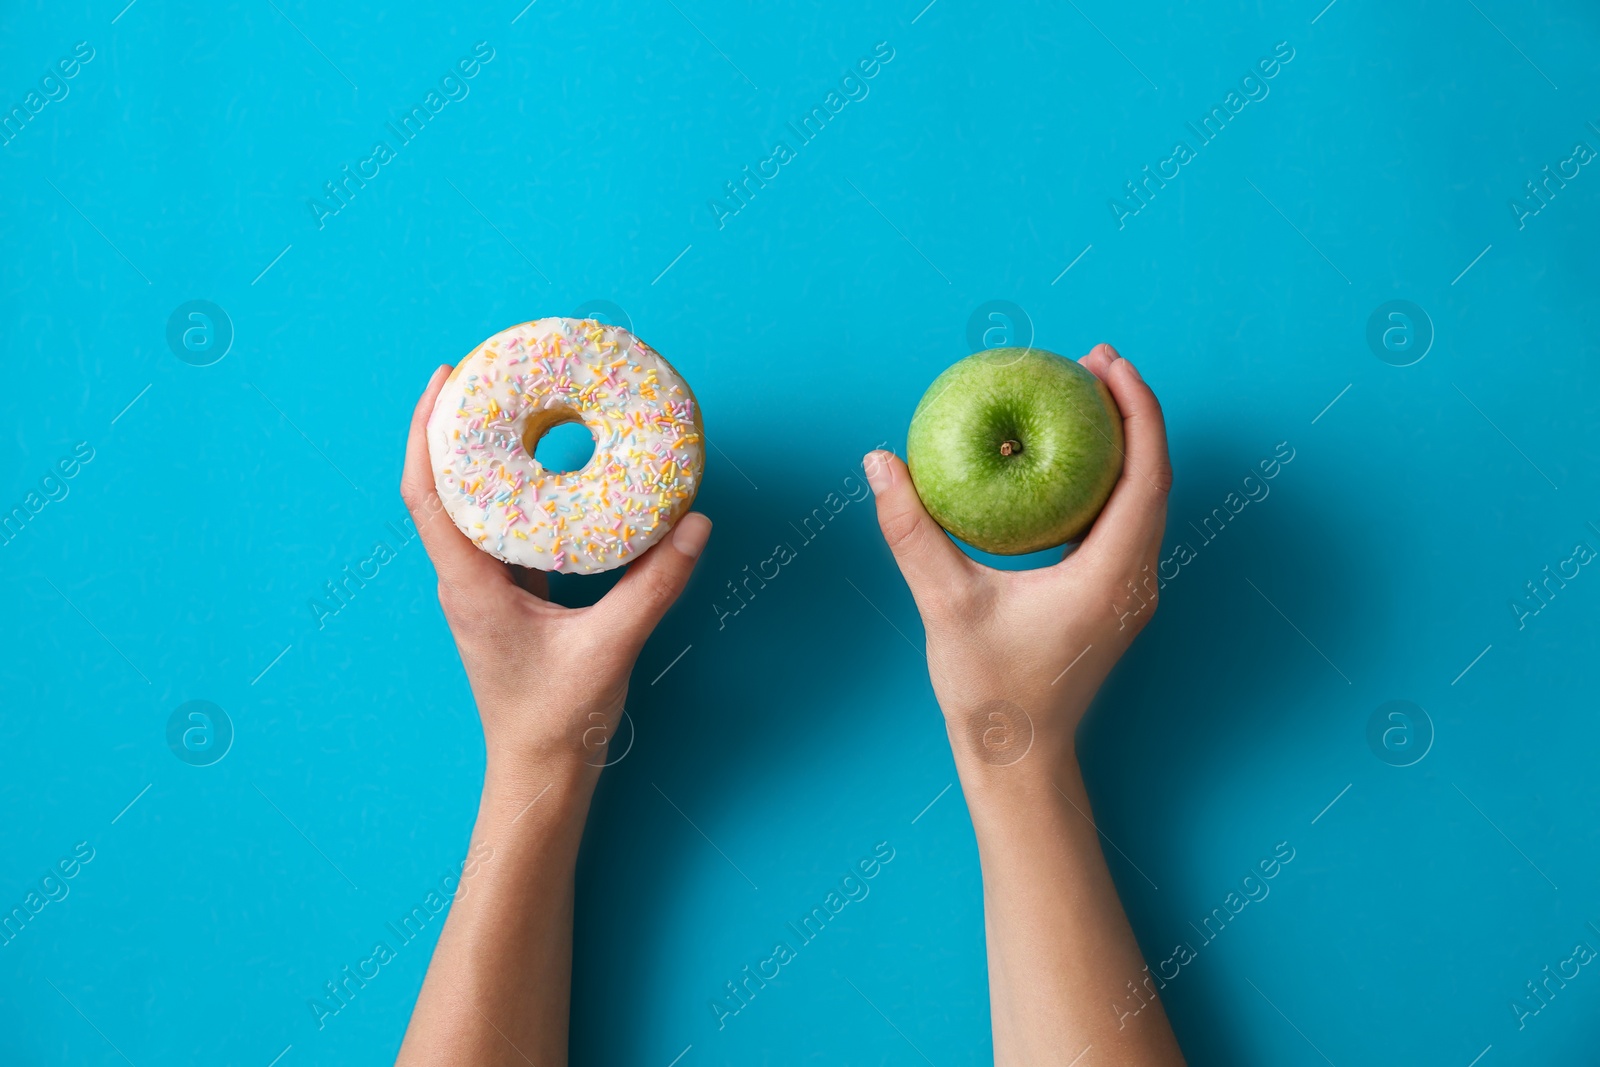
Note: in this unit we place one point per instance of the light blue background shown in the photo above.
(799, 735)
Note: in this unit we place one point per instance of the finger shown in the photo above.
(1099, 359)
(655, 579)
(1136, 513)
(927, 559)
(460, 563)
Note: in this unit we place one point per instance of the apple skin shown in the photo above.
(1048, 492)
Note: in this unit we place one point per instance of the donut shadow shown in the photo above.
(717, 690)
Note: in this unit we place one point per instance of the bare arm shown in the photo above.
(498, 989)
(1015, 658)
(550, 683)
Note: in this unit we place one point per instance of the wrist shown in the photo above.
(1013, 742)
(534, 795)
(1040, 770)
(1028, 777)
(538, 740)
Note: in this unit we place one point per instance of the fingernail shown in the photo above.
(879, 474)
(442, 369)
(1134, 369)
(690, 535)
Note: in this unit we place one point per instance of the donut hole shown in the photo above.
(559, 442)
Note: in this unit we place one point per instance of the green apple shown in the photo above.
(1015, 450)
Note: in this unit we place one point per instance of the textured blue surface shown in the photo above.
(182, 562)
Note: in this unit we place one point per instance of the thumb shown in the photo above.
(927, 558)
(655, 579)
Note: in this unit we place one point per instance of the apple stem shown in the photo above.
(1010, 448)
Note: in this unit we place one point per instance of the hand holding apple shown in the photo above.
(1015, 657)
(1021, 653)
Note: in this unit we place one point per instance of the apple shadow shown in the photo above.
(1194, 708)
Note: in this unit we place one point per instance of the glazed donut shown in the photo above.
(649, 452)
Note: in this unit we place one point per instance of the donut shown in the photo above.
(648, 460)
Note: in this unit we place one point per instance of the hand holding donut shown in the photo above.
(544, 676)
(1016, 656)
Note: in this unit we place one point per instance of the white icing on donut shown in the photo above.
(649, 446)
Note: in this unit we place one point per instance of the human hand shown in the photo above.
(1016, 656)
(549, 681)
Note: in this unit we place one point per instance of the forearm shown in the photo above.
(1061, 951)
(498, 989)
